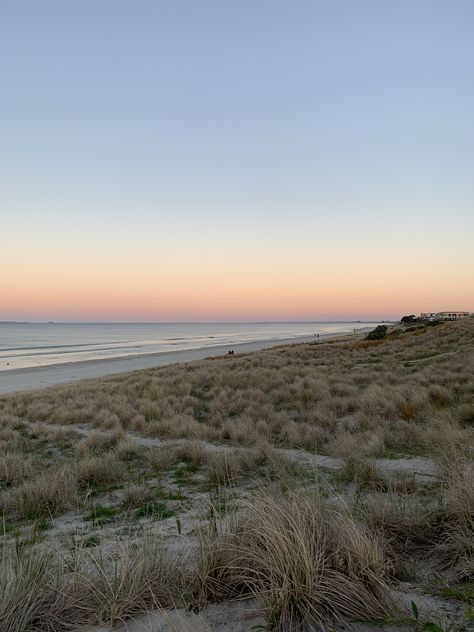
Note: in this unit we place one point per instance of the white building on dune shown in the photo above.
(452, 315)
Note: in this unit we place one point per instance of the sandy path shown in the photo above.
(230, 616)
(421, 467)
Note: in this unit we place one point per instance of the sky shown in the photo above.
(220, 160)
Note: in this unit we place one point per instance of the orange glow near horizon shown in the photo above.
(123, 272)
(288, 291)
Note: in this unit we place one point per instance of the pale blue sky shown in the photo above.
(281, 127)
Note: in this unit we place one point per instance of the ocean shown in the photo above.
(27, 345)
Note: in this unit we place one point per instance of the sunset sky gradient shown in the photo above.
(218, 160)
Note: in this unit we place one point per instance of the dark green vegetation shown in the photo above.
(379, 333)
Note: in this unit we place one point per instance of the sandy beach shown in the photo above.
(41, 377)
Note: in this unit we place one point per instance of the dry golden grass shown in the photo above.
(136, 495)
(133, 578)
(307, 563)
(49, 493)
(393, 391)
(97, 443)
(160, 459)
(44, 591)
(99, 470)
(15, 467)
(38, 593)
(456, 545)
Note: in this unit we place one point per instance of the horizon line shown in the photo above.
(191, 322)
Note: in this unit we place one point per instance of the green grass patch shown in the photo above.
(390, 453)
(100, 515)
(157, 510)
(222, 505)
(43, 524)
(7, 528)
(92, 488)
(184, 473)
(90, 541)
(168, 494)
(461, 592)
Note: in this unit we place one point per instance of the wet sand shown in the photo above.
(41, 377)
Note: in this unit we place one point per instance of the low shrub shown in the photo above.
(379, 333)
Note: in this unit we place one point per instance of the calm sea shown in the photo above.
(30, 345)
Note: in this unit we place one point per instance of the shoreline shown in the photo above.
(14, 380)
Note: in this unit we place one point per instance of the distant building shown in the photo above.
(452, 315)
(444, 315)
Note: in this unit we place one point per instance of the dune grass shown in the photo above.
(227, 504)
(309, 564)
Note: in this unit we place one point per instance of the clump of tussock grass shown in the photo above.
(466, 414)
(267, 462)
(181, 426)
(362, 471)
(437, 521)
(193, 452)
(401, 436)
(134, 577)
(107, 419)
(136, 495)
(128, 450)
(439, 394)
(50, 493)
(224, 468)
(104, 469)
(9, 440)
(215, 576)
(138, 423)
(44, 591)
(160, 460)
(15, 467)
(232, 466)
(456, 546)
(405, 520)
(308, 564)
(59, 435)
(97, 443)
(450, 445)
(365, 440)
(240, 430)
(39, 592)
(359, 465)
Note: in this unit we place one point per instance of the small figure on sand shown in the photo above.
(231, 352)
